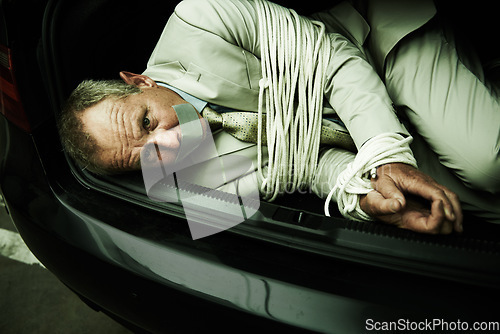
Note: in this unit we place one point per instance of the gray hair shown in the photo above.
(75, 140)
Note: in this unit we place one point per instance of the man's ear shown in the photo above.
(138, 80)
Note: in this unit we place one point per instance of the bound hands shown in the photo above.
(405, 197)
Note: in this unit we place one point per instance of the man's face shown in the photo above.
(121, 127)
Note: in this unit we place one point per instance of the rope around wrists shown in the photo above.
(355, 179)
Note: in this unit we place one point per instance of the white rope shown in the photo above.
(355, 179)
(294, 57)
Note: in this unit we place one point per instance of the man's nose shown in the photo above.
(166, 138)
(162, 147)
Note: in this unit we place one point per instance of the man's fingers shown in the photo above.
(445, 203)
(388, 203)
(457, 209)
(434, 222)
(438, 194)
(410, 180)
(415, 216)
(376, 205)
(437, 217)
(389, 190)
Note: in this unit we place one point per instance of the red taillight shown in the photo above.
(10, 100)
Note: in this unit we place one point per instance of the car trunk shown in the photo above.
(97, 39)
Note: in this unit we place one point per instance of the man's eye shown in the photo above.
(146, 123)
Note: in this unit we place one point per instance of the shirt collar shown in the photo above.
(196, 102)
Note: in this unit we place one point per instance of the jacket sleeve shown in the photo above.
(208, 48)
(357, 93)
(352, 87)
(234, 21)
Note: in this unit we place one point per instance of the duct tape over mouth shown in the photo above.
(158, 162)
(192, 133)
(195, 175)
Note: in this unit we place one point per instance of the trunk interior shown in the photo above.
(97, 39)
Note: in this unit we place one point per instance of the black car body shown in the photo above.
(288, 267)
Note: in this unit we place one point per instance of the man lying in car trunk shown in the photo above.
(213, 55)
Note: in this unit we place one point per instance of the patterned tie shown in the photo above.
(243, 125)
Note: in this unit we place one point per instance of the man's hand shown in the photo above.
(410, 199)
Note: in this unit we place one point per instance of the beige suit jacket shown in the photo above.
(211, 49)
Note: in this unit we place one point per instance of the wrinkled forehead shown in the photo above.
(111, 129)
(98, 120)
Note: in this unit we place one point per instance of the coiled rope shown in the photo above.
(294, 57)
